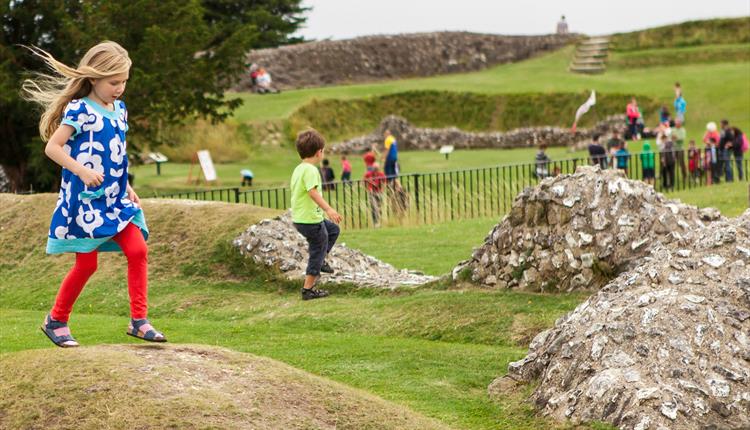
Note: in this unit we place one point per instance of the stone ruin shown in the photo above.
(276, 244)
(388, 57)
(579, 231)
(665, 345)
(414, 138)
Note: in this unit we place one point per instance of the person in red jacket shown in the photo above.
(633, 115)
(375, 180)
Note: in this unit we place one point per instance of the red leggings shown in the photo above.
(134, 247)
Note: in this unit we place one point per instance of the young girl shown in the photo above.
(84, 124)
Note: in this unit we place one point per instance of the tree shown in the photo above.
(185, 53)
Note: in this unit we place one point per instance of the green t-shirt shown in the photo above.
(304, 210)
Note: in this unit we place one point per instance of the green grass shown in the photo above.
(731, 199)
(433, 350)
(690, 33)
(404, 247)
(680, 56)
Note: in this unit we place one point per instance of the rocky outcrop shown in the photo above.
(374, 58)
(414, 138)
(579, 231)
(665, 345)
(275, 243)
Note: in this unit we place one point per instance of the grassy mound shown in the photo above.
(190, 238)
(690, 33)
(185, 386)
(342, 119)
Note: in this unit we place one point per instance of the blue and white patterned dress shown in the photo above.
(86, 218)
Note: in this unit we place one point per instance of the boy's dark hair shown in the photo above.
(326, 162)
(724, 122)
(309, 142)
(595, 138)
(543, 146)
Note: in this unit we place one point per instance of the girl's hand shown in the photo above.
(91, 177)
(133, 196)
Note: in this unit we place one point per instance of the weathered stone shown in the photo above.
(275, 243)
(668, 354)
(574, 245)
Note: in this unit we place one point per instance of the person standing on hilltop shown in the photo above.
(680, 105)
(562, 26)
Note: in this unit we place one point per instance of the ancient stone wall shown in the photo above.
(374, 58)
(415, 138)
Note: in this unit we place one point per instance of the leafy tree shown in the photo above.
(184, 52)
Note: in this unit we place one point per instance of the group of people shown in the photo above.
(376, 180)
(707, 165)
(260, 80)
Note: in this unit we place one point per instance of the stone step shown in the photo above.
(595, 41)
(588, 62)
(591, 54)
(591, 49)
(587, 69)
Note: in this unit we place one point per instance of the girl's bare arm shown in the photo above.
(54, 150)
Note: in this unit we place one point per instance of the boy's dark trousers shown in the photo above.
(320, 239)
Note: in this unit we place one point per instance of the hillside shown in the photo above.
(182, 386)
(689, 33)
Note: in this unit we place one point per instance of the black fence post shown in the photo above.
(416, 191)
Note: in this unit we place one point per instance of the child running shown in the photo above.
(84, 124)
(308, 206)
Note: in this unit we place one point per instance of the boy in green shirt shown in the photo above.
(308, 206)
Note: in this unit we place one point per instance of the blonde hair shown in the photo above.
(54, 92)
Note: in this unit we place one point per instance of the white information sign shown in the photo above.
(207, 165)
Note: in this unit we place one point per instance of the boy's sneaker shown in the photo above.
(313, 293)
(325, 268)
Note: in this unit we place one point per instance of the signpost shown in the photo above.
(446, 150)
(158, 158)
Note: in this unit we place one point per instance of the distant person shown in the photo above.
(694, 161)
(375, 180)
(726, 142)
(711, 155)
(597, 153)
(664, 116)
(247, 177)
(633, 114)
(562, 26)
(679, 135)
(667, 159)
(346, 169)
(370, 157)
(260, 80)
(648, 163)
(738, 149)
(326, 172)
(390, 156)
(680, 105)
(622, 156)
(542, 162)
(308, 207)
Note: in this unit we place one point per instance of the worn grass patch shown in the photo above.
(182, 386)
